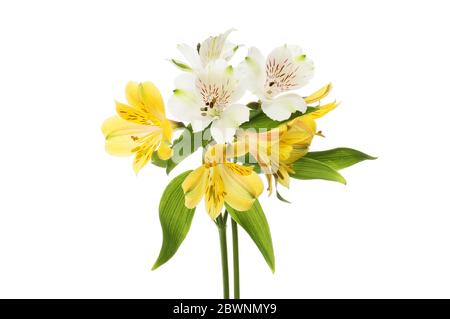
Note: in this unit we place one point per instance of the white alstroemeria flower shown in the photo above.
(210, 50)
(286, 68)
(210, 96)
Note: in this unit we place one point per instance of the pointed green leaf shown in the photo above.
(308, 168)
(281, 198)
(258, 119)
(340, 158)
(175, 219)
(254, 222)
(182, 66)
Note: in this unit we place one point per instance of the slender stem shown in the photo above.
(221, 225)
(234, 229)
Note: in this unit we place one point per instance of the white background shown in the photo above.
(76, 222)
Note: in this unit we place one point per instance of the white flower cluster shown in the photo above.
(210, 89)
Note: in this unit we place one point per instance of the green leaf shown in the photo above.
(157, 161)
(175, 219)
(258, 119)
(281, 198)
(308, 168)
(254, 222)
(187, 133)
(181, 65)
(340, 158)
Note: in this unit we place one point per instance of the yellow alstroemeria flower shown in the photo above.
(277, 149)
(141, 127)
(220, 181)
(295, 138)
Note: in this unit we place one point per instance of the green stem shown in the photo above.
(221, 225)
(234, 229)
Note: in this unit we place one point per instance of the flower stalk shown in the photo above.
(236, 278)
(221, 223)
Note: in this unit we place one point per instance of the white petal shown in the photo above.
(220, 74)
(213, 48)
(221, 133)
(238, 85)
(236, 114)
(292, 61)
(295, 50)
(305, 70)
(187, 109)
(229, 50)
(224, 128)
(185, 106)
(191, 55)
(185, 81)
(279, 55)
(305, 65)
(215, 71)
(199, 124)
(283, 106)
(252, 69)
(257, 56)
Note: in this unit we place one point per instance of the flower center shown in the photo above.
(215, 97)
(280, 76)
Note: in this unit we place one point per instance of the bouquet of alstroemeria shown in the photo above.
(241, 141)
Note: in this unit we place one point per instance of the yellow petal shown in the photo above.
(318, 95)
(322, 110)
(306, 124)
(300, 131)
(296, 153)
(216, 154)
(282, 176)
(215, 193)
(145, 150)
(152, 99)
(132, 94)
(285, 151)
(167, 129)
(194, 186)
(145, 97)
(267, 156)
(242, 185)
(143, 156)
(123, 136)
(164, 151)
(134, 115)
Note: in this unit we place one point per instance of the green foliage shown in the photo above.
(175, 219)
(181, 65)
(281, 198)
(308, 168)
(339, 158)
(259, 120)
(157, 161)
(254, 222)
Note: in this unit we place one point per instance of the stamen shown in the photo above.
(215, 96)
